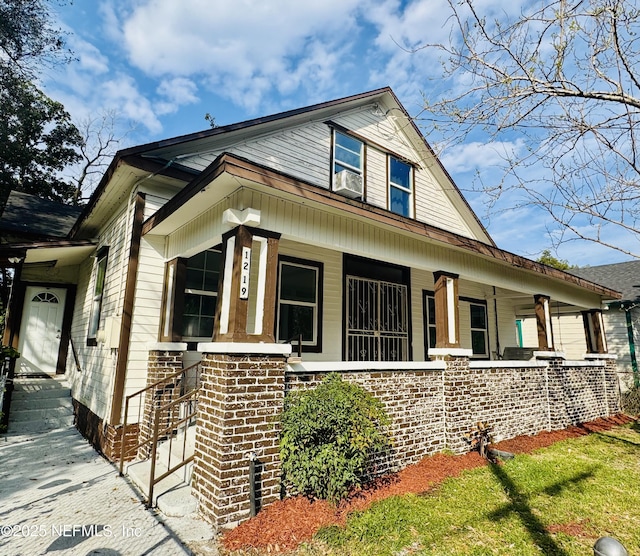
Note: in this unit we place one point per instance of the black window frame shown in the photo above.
(307, 346)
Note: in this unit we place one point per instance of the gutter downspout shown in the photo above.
(127, 310)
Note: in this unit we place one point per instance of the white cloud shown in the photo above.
(481, 156)
(244, 49)
(176, 92)
(122, 93)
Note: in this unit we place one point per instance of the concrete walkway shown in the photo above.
(59, 496)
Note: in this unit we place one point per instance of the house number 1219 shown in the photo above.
(244, 272)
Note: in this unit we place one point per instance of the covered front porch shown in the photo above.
(252, 256)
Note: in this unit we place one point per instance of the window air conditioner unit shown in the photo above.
(348, 183)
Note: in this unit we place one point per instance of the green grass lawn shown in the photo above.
(556, 501)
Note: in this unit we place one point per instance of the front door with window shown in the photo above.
(377, 320)
(41, 330)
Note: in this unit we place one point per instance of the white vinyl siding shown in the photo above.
(93, 385)
(304, 152)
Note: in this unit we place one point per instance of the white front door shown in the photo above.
(41, 330)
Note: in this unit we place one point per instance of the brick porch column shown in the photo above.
(165, 359)
(458, 390)
(241, 397)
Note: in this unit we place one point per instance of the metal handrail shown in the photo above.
(153, 480)
(128, 399)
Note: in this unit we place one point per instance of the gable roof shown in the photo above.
(26, 216)
(623, 277)
(171, 155)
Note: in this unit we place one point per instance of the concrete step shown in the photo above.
(44, 389)
(40, 405)
(22, 403)
(39, 414)
(172, 495)
(44, 425)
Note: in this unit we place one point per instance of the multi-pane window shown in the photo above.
(348, 154)
(98, 292)
(201, 294)
(298, 302)
(479, 336)
(400, 187)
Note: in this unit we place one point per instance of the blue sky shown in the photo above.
(161, 65)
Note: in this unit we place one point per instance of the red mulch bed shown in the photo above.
(285, 524)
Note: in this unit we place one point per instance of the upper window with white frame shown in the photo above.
(348, 154)
(400, 187)
(299, 302)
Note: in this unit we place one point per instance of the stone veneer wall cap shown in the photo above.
(596, 356)
(585, 364)
(549, 355)
(167, 346)
(506, 364)
(248, 348)
(452, 352)
(352, 366)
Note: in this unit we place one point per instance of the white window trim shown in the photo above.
(392, 184)
(355, 169)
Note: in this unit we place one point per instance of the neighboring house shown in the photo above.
(28, 218)
(333, 226)
(622, 317)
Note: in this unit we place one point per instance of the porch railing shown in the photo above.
(162, 421)
(171, 431)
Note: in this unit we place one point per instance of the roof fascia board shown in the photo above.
(120, 159)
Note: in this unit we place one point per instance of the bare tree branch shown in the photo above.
(562, 81)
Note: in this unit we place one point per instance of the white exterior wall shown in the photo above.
(93, 384)
(568, 334)
(304, 152)
(615, 322)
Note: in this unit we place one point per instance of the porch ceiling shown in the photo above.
(60, 253)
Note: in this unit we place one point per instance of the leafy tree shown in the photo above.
(27, 38)
(37, 141)
(561, 82)
(547, 258)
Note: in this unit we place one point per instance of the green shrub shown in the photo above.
(329, 438)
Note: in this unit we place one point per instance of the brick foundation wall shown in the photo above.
(105, 438)
(413, 400)
(578, 394)
(240, 399)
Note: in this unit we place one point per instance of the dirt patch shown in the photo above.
(283, 525)
(578, 529)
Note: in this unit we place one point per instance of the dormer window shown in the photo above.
(348, 154)
(348, 165)
(400, 187)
